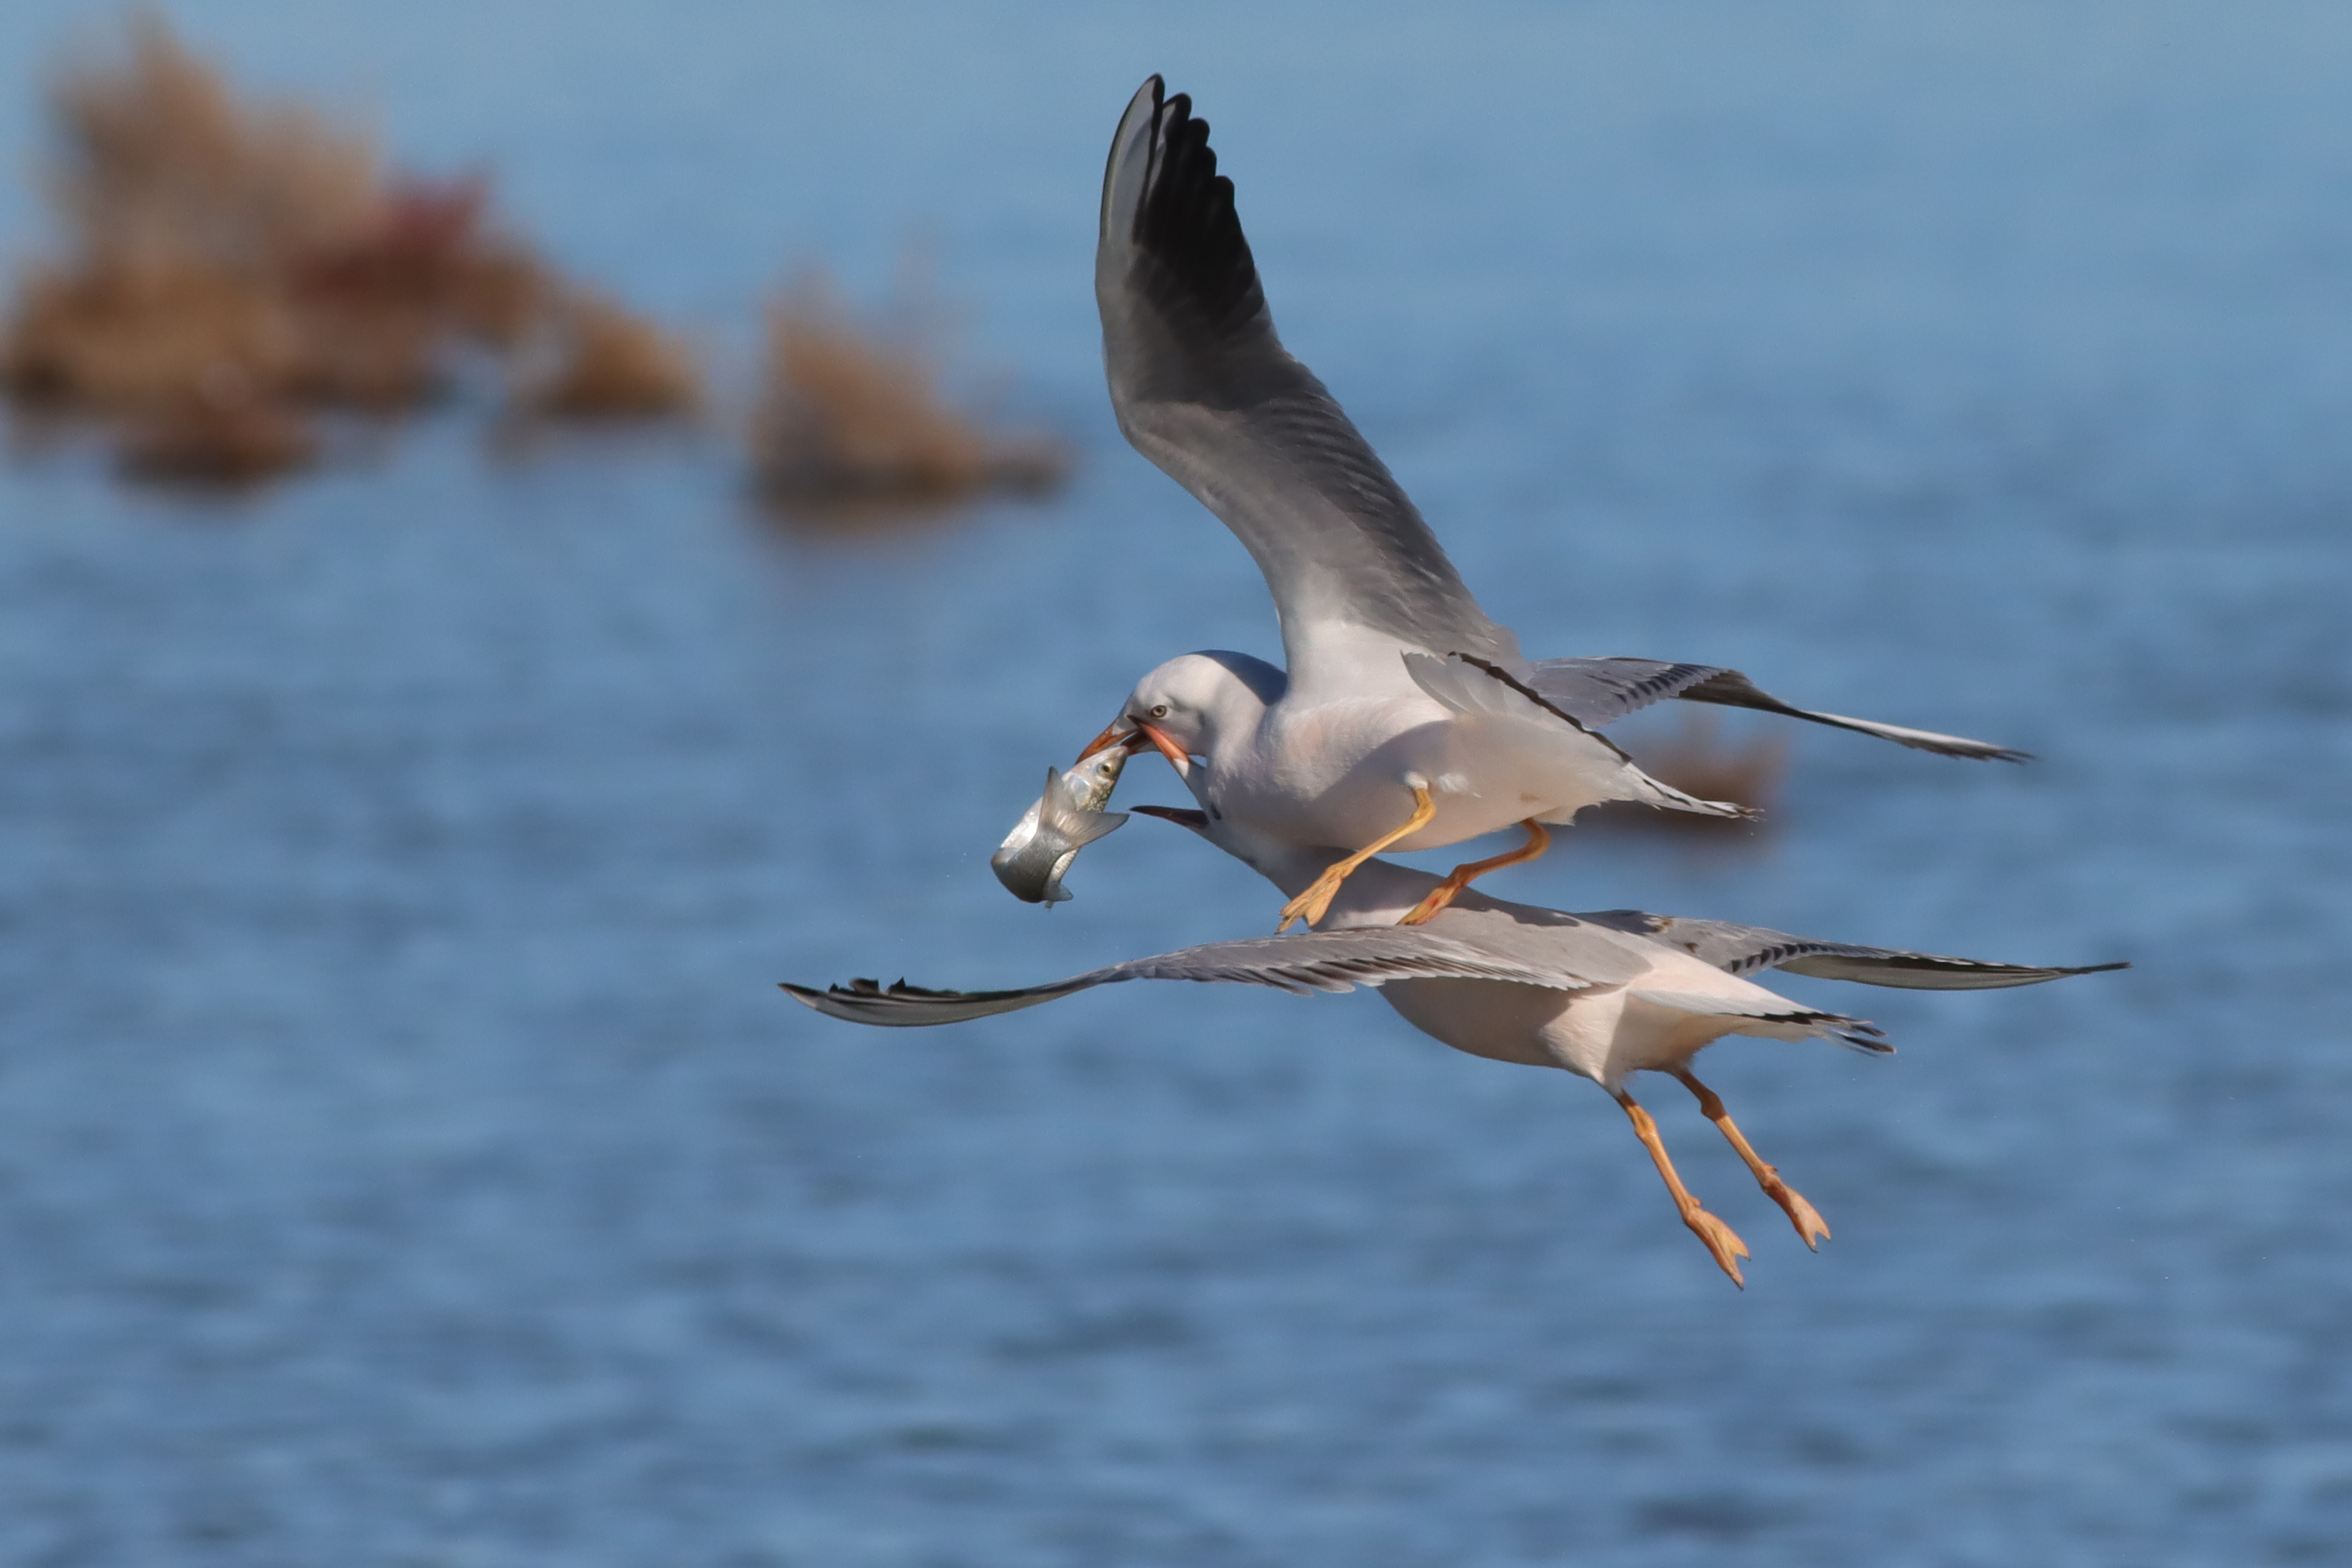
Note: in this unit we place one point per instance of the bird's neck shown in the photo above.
(1379, 893)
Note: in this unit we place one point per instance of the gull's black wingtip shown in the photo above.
(858, 988)
(1195, 263)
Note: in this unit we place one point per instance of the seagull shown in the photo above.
(1406, 718)
(1602, 995)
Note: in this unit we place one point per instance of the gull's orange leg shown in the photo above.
(1316, 901)
(1720, 1238)
(1792, 1203)
(1462, 876)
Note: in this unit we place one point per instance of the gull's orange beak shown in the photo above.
(1167, 748)
(1118, 731)
(1135, 735)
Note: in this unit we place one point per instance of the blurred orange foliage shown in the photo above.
(851, 418)
(231, 265)
(605, 363)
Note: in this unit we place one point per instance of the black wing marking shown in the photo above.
(1730, 689)
(1203, 388)
(1596, 692)
(1192, 261)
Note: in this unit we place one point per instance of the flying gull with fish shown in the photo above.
(1406, 718)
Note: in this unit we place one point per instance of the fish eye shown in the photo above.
(1159, 710)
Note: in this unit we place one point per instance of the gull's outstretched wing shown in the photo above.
(1204, 389)
(1594, 691)
(1311, 961)
(1598, 691)
(1743, 950)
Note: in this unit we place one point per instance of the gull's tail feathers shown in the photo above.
(1857, 1034)
(1493, 692)
(1669, 798)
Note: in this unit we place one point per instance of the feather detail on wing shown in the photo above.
(1730, 689)
(1747, 950)
(1203, 388)
(1598, 691)
(1310, 962)
(1466, 684)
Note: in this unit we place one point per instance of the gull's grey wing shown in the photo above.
(1730, 689)
(1202, 387)
(1311, 961)
(1743, 950)
(1502, 695)
(1594, 691)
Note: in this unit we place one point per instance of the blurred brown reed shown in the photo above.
(853, 421)
(219, 438)
(232, 266)
(158, 159)
(600, 362)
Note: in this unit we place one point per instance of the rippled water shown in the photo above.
(405, 1159)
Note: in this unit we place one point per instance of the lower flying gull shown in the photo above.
(1602, 995)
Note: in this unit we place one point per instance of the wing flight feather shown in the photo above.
(1746, 950)
(1203, 388)
(1596, 692)
(1308, 961)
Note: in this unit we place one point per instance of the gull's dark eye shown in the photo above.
(1159, 710)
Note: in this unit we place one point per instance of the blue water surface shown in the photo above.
(406, 1158)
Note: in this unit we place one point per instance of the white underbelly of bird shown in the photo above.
(1346, 772)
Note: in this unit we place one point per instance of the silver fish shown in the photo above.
(1037, 853)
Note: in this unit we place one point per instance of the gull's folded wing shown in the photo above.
(1745, 950)
(1594, 691)
(1204, 388)
(1477, 687)
(1311, 961)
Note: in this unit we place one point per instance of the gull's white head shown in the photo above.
(1188, 706)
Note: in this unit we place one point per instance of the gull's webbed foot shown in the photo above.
(1446, 891)
(1314, 903)
(1810, 1226)
(1720, 1240)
